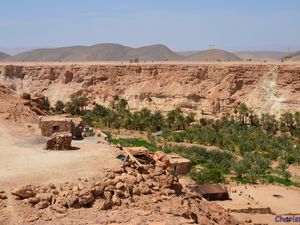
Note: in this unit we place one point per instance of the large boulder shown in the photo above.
(2, 195)
(59, 141)
(85, 197)
(24, 192)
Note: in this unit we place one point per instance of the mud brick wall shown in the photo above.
(50, 127)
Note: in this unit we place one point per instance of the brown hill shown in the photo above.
(213, 55)
(3, 55)
(186, 53)
(99, 52)
(260, 55)
(154, 52)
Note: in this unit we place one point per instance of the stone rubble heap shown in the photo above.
(121, 187)
(2, 195)
(59, 141)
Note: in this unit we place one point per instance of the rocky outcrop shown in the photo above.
(2, 195)
(59, 141)
(20, 108)
(214, 88)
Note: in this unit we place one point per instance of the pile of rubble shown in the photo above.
(59, 141)
(123, 188)
(2, 195)
(3, 206)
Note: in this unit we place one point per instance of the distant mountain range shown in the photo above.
(117, 52)
(99, 52)
(261, 55)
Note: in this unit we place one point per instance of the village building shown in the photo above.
(55, 124)
(180, 164)
(211, 192)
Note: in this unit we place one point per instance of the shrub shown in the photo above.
(47, 105)
(207, 176)
(251, 167)
(59, 106)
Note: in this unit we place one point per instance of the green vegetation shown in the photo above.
(216, 164)
(76, 105)
(47, 105)
(59, 106)
(248, 143)
(252, 167)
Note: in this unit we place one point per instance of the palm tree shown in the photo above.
(122, 105)
(144, 116)
(253, 118)
(100, 110)
(175, 119)
(287, 120)
(269, 123)
(243, 113)
(47, 105)
(297, 119)
(59, 106)
(157, 121)
(283, 166)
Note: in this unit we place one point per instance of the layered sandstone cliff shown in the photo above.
(214, 88)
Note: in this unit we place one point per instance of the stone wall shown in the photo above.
(50, 127)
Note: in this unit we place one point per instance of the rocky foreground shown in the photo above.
(214, 88)
(134, 194)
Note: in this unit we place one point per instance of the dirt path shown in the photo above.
(23, 162)
(281, 200)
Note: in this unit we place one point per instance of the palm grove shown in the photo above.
(249, 144)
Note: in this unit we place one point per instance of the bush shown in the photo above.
(252, 167)
(47, 105)
(207, 176)
(59, 106)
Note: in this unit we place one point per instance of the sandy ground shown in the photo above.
(258, 196)
(23, 161)
(295, 172)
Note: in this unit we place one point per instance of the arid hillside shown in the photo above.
(3, 55)
(213, 55)
(117, 52)
(295, 56)
(214, 88)
(261, 55)
(99, 52)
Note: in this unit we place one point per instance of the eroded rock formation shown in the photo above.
(214, 88)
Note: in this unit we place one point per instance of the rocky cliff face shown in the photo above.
(214, 88)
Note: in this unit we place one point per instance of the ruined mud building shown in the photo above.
(54, 124)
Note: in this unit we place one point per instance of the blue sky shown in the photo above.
(182, 25)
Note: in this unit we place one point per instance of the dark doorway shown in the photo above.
(55, 129)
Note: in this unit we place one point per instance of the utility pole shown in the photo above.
(211, 52)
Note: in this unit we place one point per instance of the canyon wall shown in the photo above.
(213, 88)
